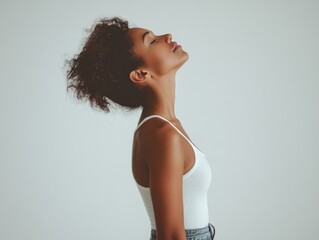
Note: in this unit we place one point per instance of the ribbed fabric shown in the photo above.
(196, 183)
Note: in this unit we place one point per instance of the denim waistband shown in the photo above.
(193, 232)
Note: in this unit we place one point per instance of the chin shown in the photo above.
(181, 62)
(185, 58)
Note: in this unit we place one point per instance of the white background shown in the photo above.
(247, 97)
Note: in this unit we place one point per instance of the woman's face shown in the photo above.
(157, 51)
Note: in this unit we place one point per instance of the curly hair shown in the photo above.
(100, 72)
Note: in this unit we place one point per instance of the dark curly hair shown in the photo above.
(100, 72)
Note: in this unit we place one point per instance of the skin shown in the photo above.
(160, 154)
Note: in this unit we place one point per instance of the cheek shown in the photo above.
(161, 61)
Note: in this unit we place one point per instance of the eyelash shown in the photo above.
(153, 41)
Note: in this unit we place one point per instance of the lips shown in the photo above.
(174, 46)
(177, 47)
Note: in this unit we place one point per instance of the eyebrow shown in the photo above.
(144, 34)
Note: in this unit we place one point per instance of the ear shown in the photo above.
(139, 75)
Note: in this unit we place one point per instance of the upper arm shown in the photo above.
(166, 166)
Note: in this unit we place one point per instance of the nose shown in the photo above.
(168, 37)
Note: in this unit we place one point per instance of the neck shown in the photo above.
(160, 99)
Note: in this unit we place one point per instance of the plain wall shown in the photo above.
(247, 97)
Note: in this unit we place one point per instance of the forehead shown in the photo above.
(136, 33)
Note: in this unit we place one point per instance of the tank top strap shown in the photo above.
(152, 116)
(144, 120)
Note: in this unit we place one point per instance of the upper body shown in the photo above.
(159, 160)
(195, 179)
(136, 68)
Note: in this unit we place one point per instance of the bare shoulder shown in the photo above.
(160, 140)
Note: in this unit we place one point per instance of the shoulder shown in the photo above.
(158, 139)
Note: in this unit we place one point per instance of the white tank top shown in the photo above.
(196, 183)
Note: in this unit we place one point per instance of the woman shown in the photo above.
(134, 68)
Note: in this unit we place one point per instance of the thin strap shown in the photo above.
(151, 116)
(144, 120)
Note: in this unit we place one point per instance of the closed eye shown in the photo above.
(153, 41)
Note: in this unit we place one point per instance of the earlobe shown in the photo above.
(138, 76)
